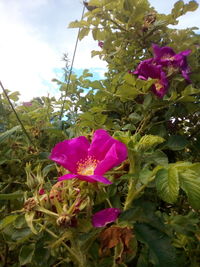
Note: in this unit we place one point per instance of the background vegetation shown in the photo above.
(157, 188)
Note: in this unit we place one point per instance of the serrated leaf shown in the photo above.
(159, 243)
(26, 254)
(149, 141)
(158, 157)
(167, 184)
(190, 183)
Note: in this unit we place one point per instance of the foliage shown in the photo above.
(157, 188)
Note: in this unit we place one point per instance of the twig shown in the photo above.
(70, 72)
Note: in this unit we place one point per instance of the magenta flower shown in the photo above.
(147, 69)
(89, 162)
(103, 217)
(166, 56)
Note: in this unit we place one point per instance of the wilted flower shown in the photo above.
(100, 44)
(103, 217)
(89, 162)
(147, 69)
(166, 56)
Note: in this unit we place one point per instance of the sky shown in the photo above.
(34, 37)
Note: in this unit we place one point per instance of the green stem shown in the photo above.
(133, 194)
(20, 122)
(70, 72)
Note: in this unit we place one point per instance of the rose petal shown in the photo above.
(99, 178)
(159, 52)
(67, 177)
(103, 217)
(90, 178)
(116, 154)
(101, 144)
(69, 152)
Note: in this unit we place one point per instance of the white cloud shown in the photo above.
(34, 36)
(25, 59)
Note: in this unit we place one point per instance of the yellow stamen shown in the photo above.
(169, 57)
(158, 86)
(87, 166)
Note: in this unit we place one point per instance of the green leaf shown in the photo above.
(26, 254)
(191, 6)
(178, 6)
(14, 96)
(158, 242)
(78, 24)
(83, 32)
(190, 90)
(190, 183)
(167, 184)
(29, 216)
(129, 78)
(176, 142)
(149, 141)
(14, 195)
(8, 133)
(7, 221)
(127, 92)
(158, 157)
(96, 85)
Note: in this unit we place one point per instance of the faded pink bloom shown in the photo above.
(103, 217)
(27, 104)
(89, 162)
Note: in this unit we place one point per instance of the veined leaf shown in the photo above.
(8, 133)
(7, 220)
(167, 184)
(149, 141)
(26, 254)
(158, 242)
(190, 183)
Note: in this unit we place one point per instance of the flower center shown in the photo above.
(168, 57)
(87, 166)
(158, 86)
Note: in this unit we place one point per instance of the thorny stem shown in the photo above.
(13, 109)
